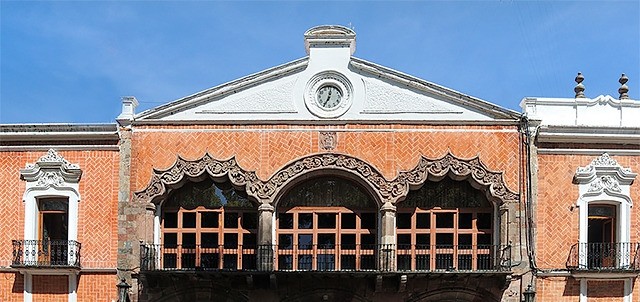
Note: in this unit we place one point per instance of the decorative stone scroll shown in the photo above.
(387, 190)
(604, 176)
(51, 170)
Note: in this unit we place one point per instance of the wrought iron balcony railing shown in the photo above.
(616, 256)
(346, 257)
(46, 253)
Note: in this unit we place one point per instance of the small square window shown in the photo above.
(230, 241)
(230, 220)
(170, 220)
(348, 221)
(326, 220)
(444, 220)
(423, 221)
(465, 221)
(285, 221)
(305, 221)
(209, 219)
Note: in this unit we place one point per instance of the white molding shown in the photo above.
(60, 148)
(359, 130)
(238, 122)
(51, 176)
(73, 288)
(628, 289)
(583, 290)
(568, 151)
(604, 181)
(28, 288)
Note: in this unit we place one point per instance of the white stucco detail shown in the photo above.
(602, 111)
(382, 97)
(50, 176)
(604, 181)
(275, 99)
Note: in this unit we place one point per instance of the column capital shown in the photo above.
(266, 207)
(388, 207)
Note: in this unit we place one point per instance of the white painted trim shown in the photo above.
(60, 147)
(567, 151)
(628, 290)
(328, 129)
(583, 290)
(73, 288)
(497, 122)
(28, 288)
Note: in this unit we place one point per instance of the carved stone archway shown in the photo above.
(388, 191)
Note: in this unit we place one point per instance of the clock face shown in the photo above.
(328, 97)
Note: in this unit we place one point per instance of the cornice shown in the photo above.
(58, 132)
(585, 134)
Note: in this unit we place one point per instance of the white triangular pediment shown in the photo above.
(287, 92)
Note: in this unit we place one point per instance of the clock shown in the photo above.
(328, 96)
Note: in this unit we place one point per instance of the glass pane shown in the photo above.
(423, 221)
(305, 262)
(249, 221)
(285, 221)
(446, 194)
(188, 259)
(327, 192)
(348, 241)
(209, 240)
(230, 241)
(444, 240)
(404, 241)
(367, 241)
(484, 239)
(53, 204)
(326, 220)
(207, 194)
(249, 241)
(170, 240)
(348, 262)
(170, 260)
(465, 262)
(444, 220)
(230, 262)
(484, 221)
(348, 220)
(189, 240)
(209, 219)
(368, 221)
(305, 220)
(326, 262)
(189, 220)
(465, 221)
(285, 262)
(210, 260)
(464, 241)
(249, 261)
(423, 241)
(231, 220)
(403, 221)
(170, 220)
(326, 240)
(305, 241)
(285, 241)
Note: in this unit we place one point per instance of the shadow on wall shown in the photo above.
(18, 283)
(571, 288)
(605, 289)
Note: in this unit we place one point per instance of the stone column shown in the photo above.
(265, 256)
(387, 237)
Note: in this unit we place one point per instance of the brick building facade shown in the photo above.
(329, 178)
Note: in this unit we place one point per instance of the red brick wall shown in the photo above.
(97, 217)
(557, 224)
(97, 287)
(11, 287)
(265, 149)
(558, 289)
(50, 288)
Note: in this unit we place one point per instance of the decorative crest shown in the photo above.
(51, 170)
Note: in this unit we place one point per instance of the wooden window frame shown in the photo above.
(337, 251)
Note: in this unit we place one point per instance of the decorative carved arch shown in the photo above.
(387, 190)
(461, 168)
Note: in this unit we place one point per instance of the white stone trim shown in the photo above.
(566, 151)
(28, 288)
(628, 290)
(604, 181)
(583, 290)
(73, 288)
(51, 176)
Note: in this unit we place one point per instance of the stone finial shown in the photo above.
(624, 89)
(579, 89)
(129, 104)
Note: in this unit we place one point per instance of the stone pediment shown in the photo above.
(364, 92)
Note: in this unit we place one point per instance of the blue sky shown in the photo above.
(71, 62)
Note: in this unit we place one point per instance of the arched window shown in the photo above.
(208, 225)
(445, 225)
(330, 219)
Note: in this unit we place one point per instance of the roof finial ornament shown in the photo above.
(579, 89)
(624, 89)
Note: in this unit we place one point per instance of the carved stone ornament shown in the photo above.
(328, 140)
(51, 170)
(387, 190)
(605, 182)
(603, 165)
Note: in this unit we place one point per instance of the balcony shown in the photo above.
(327, 258)
(46, 254)
(616, 257)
